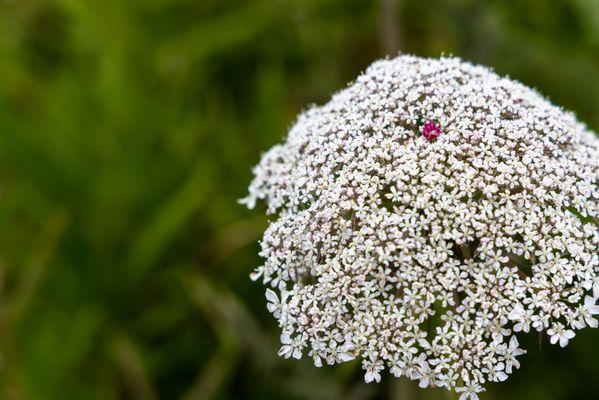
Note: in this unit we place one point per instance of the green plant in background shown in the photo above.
(127, 131)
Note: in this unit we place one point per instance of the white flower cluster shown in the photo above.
(424, 252)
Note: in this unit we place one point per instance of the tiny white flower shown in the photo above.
(469, 392)
(513, 351)
(522, 318)
(586, 313)
(275, 306)
(558, 333)
(373, 368)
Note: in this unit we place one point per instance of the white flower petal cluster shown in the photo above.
(424, 256)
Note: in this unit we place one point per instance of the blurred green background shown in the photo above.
(128, 129)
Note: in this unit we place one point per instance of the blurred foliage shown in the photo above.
(127, 132)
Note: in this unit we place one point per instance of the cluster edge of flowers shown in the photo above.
(425, 215)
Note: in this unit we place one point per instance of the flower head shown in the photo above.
(431, 131)
(426, 260)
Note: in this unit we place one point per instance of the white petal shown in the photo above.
(285, 337)
(579, 324)
(513, 343)
(589, 301)
(346, 347)
(297, 354)
(377, 377)
(285, 351)
(516, 313)
(271, 307)
(255, 275)
(271, 296)
(516, 364)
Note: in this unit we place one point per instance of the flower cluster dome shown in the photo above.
(424, 216)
